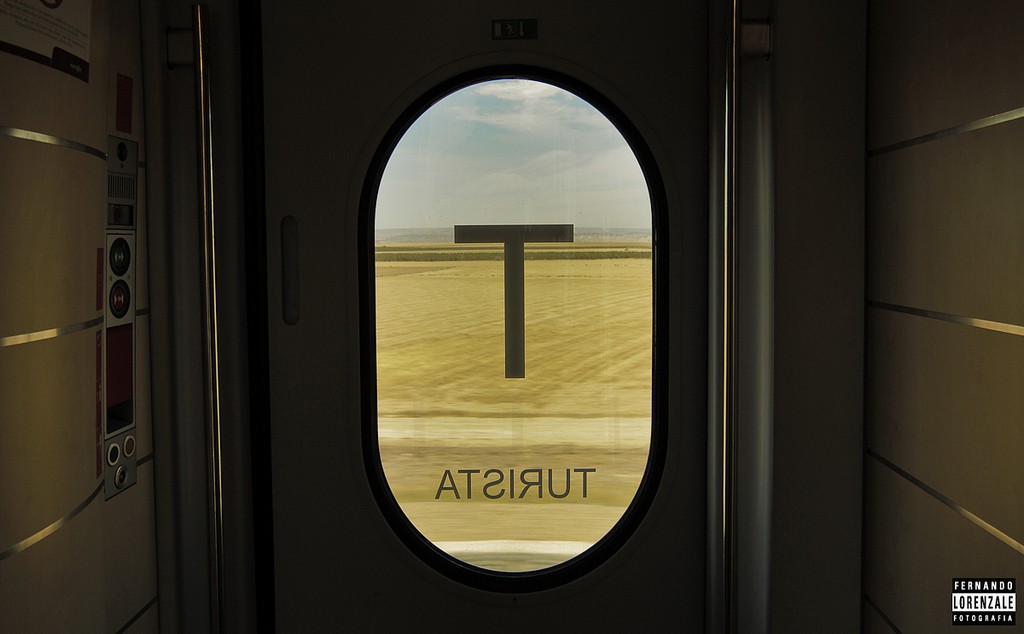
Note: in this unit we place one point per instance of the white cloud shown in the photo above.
(513, 151)
(516, 89)
(521, 106)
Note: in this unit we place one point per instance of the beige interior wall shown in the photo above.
(944, 400)
(69, 561)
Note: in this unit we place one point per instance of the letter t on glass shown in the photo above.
(514, 237)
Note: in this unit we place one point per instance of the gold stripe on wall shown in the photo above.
(52, 528)
(978, 124)
(882, 615)
(60, 523)
(49, 139)
(977, 521)
(50, 333)
(138, 615)
(984, 324)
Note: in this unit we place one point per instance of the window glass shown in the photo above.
(514, 312)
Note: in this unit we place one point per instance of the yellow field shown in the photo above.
(444, 403)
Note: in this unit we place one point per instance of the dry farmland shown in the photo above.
(445, 405)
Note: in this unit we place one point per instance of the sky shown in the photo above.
(512, 151)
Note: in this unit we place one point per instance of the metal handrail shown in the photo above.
(208, 268)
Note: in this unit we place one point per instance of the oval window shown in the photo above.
(514, 308)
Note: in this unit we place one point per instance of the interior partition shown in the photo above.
(944, 402)
(77, 530)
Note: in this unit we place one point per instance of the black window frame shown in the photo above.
(584, 563)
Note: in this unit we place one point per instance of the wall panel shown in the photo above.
(48, 436)
(946, 401)
(934, 65)
(55, 586)
(69, 560)
(945, 225)
(53, 198)
(129, 551)
(945, 355)
(915, 546)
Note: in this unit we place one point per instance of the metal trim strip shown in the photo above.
(720, 570)
(883, 615)
(970, 126)
(49, 139)
(210, 335)
(985, 324)
(52, 528)
(138, 615)
(977, 521)
(50, 333)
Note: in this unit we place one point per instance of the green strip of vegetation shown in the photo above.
(466, 256)
(386, 248)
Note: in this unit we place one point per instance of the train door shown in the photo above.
(405, 494)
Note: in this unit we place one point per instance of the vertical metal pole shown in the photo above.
(720, 614)
(729, 317)
(753, 326)
(211, 370)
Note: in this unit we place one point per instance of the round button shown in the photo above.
(120, 255)
(113, 454)
(120, 477)
(120, 299)
(129, 446)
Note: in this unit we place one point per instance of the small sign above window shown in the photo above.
(514, 29)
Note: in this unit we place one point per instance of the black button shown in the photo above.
(120, 256)
(113, 454)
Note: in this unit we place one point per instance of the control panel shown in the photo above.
(119, 438)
